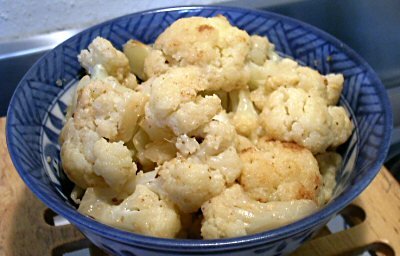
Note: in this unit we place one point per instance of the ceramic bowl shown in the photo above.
(36, 113)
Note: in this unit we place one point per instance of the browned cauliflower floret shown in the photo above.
(89, 160)
(212, 44)
(142, 212)
(329, 163)
(102, 52)
(276, 171)
(293, 115)
(288, 73)
(108, 108)
(233, 213)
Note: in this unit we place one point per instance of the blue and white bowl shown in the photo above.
(36, 112)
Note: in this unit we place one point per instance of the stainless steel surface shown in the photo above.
(17, 56)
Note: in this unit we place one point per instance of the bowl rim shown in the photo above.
(84, 223)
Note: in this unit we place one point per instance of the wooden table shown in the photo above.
(24, 230)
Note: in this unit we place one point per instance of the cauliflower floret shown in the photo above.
(261, 50)
(155, 64)
(191, 180)
(102, 52)
(329, 163)
(288, 73)
(208, 140)
(143, 212)
(276, 171)
(212, 44)
(108, 108)
(228, 163)
(243, 116)
(342, 127)
(189, 183)
(204, 169)
(77, 155)
(113, 162)
(89, 160)
(334, 87)
(218, 135)
(233, 213)
(293, 115)
(186, 145)
(174, 102)
(191, 115)
(173, 88)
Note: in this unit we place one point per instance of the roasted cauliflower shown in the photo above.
(142, 212)
(293, 115)
(279, 171)
(201, 170)
(233, 213)
(189, 182)
(89, 160)
(102, 52)
(220, 136)
(212, 44)
(174, 101)
(108, 108)
(287, 73)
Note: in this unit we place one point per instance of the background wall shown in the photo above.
(23, 18)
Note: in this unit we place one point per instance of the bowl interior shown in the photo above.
(36, 112)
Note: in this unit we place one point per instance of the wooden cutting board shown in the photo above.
(25, 231)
